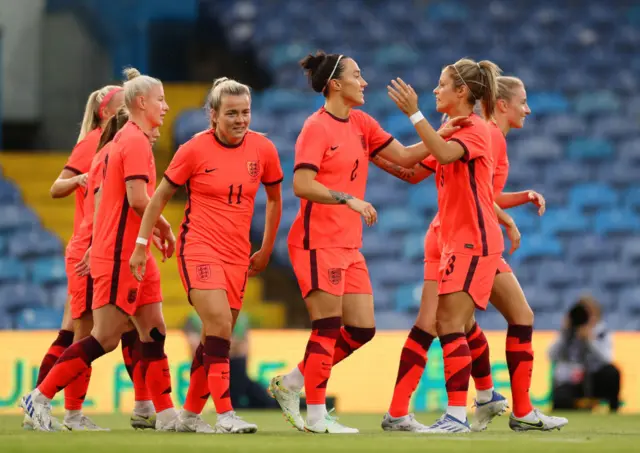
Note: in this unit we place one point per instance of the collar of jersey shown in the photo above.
(342, 120)
(226, 145)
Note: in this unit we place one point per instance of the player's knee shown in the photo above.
(524, 316)
(361, 334)
(109, 342)
(219, 325)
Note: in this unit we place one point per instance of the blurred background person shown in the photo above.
(583, 372)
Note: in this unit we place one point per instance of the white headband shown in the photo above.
(334, 70)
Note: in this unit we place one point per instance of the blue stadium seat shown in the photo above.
(58, 296)
(562, 222)
(526, 219)
(447, 12)
(547, 103)
(558, 274)
(377, 244)
(589, 249)
(3, 244)
(563, 125)
(6, 321)
(16, 217)
(630, 150)
(590, 149)
(394, 320)
(537, 246)
(12, 270)
(408, 297)
(396, 56)
(47, 271)
(606, 298)
(617, 222)
(564, 174)
(614, 127)
(491, 319)
(413, 248)
(541, 149)
(398, 124)
(9, 193)
(592, 196)
(612, 275)
(21, 295)
(602, 102)
(34, 243)
(396, 272)
(188, 123)
(424, 196)
(541, 298)
(398, 219)
(629, 299)
(632, 197)
(38, 319)
(618, 173)
(630, 252)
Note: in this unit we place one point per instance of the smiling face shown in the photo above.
(515, 109)
(233, 117)
(154, 105)
(350, 85)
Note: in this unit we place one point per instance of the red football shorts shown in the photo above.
(432, 254)
(200, 273)
(114, 284)
(337, 271)
(504, 267)
(469, 273)
(80, 289)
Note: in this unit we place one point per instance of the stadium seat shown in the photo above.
(632, 197)
(602, 102)
(558, 274)
(611, 275)
(630, 252)
(564, 174)
(547, 103)
(541, 149)
(21, 295)
(562, 222)
(614, 127)
(619, 173)
(424, 196)
(589, 249)
(6, 321)
(396, 272)
(408, 297)
(563, 126)
(16, 217)
(378, 244)
(537, 246)
(34, 243)
(629, 299)
(12, 270)
(47, 271)
(413, 248)
(541, 299)
(9, 193)
(590, 149)
(392, 220)
(605, 298)
(629, 150)
(394, 320)
(618, 222)
(592, 196)
(58, 296)
(38, 319)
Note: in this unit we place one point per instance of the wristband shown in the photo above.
(142, 241)
(418, 116)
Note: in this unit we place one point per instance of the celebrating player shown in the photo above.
(76, 322)
(128, 182)
(331, 167)
(222, 169)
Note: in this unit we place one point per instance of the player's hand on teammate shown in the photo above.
(365, 209)
(82, 267)
(81, 180)
(454, 125)
(138, 262)
(258, 262)
(538, 200)
(404, 96)
(514, 237)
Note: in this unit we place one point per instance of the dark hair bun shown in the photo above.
(311, 65)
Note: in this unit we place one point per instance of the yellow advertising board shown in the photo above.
(363, 383)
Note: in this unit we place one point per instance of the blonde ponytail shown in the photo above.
(136, 85)
(91, 118)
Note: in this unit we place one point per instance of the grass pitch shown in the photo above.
(585, 433)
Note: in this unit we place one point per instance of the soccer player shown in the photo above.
(470, 234)
(222, 169)
(101, 105)
(143, 413)
(331, 167)
(129, 180)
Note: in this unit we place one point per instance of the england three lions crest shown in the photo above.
(335, 276)
(253, 167)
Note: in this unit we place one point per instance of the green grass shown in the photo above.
(585, 433)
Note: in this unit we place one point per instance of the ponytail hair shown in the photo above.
(481, 79)
(91, 118)
(116, 122)
(136, 85)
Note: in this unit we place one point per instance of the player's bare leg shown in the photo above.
(152, 330)
(454, 310)
(509, 299)
(413, 361)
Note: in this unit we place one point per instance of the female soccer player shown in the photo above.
(222, 169)
(128, 182)
(332, 156)
(101, 105)
(471, 239)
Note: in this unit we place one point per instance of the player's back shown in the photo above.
(468, 221)
(117, 225)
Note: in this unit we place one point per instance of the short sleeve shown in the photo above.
(430, 163)
(135, 158)
(310, 146)
(181, 166)
(80, 159)
(272, 173)
(474, 140)
(500, 173)
(377, 138)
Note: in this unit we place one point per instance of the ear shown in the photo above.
(213, 116)
(502, 105)
(141, 102)
(336, 84)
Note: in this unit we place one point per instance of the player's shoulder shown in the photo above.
(258, 139)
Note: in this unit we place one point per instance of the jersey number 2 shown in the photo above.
(354, 172)
(238, 196)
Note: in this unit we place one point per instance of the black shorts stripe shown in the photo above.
(307, 166)
(75, 170)
(472, 270)
(381, 147)
(117, 251)
(170, 181)
(313, 266)
(427, 167)
(474, 189)
(88, 296)
(306, 220)
(273, 183)
(183, 239)
(145, 178)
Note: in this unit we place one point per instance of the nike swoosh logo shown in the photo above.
(333, 148)
(533, 425)
(209, 170)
